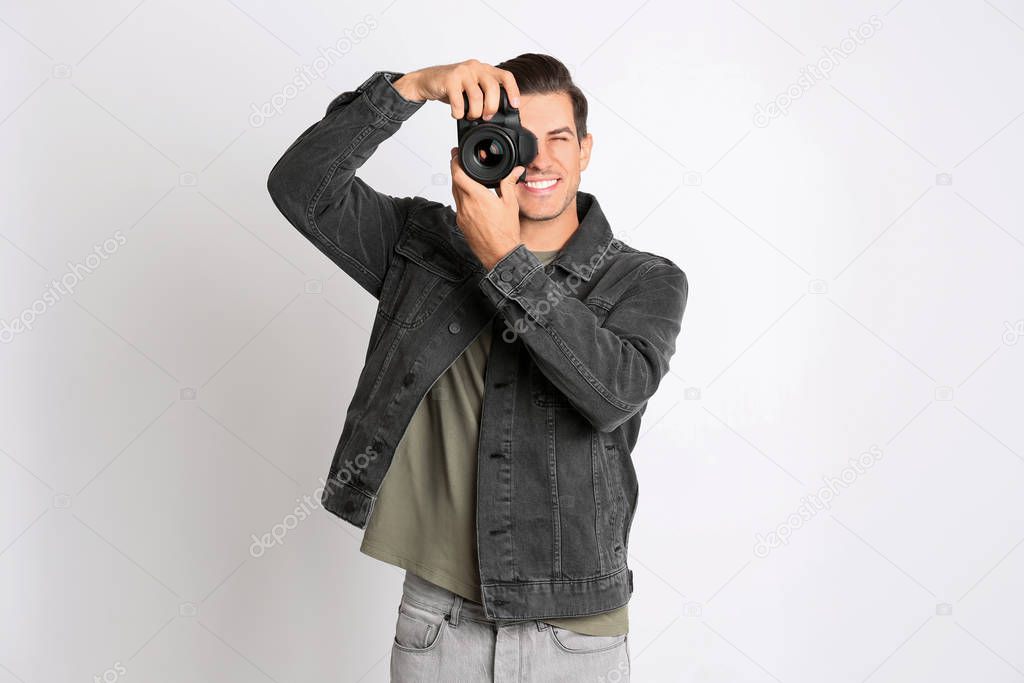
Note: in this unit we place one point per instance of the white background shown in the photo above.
(855, 282)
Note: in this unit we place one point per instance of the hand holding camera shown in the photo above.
(492, 145)
(491, 139)
(478, 81)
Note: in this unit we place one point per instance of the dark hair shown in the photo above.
(542, 74)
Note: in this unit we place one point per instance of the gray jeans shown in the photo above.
(441, 636)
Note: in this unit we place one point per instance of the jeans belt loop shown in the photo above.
(453, 616)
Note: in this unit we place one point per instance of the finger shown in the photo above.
(476, 99)
(509, 81)
(460, 181)
(508, 184)
(469, 187)
(453, 91)
(456, 165)
(491, 93)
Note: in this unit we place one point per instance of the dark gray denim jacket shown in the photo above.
(579, 346)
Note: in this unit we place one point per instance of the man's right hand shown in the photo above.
(447, 82)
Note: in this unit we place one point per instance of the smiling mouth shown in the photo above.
(541, 186)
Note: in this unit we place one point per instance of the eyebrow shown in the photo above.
(563, 129)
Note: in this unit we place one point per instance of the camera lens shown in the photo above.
(489, 152)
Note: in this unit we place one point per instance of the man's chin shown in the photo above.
(538, 217)
(544, 210)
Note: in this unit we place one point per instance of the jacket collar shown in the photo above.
(586, 248)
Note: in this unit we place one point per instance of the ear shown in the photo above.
(586, 144)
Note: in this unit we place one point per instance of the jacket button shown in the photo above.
(454, 328)
(407, 380)
(506, 275)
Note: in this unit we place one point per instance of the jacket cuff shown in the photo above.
(381, 94)
(508, 275)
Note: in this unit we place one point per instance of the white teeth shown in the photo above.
(540, 185)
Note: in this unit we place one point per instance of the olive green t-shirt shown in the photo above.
(424, 518)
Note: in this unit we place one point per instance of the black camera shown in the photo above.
(489, 150)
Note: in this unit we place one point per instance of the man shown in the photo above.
(515, 347)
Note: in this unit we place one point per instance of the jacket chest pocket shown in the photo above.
(423, 273)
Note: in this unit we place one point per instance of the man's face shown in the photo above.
(560, 156)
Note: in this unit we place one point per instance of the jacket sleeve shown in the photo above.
(608, 370)
(314, 183)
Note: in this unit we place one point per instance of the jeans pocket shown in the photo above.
(419, 628)
(581, 643)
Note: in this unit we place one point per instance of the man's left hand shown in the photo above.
(489, 221)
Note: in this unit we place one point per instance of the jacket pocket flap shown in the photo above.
(431, 253)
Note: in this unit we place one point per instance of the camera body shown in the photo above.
(489, 150)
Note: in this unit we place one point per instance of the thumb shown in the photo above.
(508, 183)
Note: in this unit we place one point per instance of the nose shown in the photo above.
(541, 162)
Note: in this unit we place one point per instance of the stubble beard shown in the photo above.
(569, 197)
